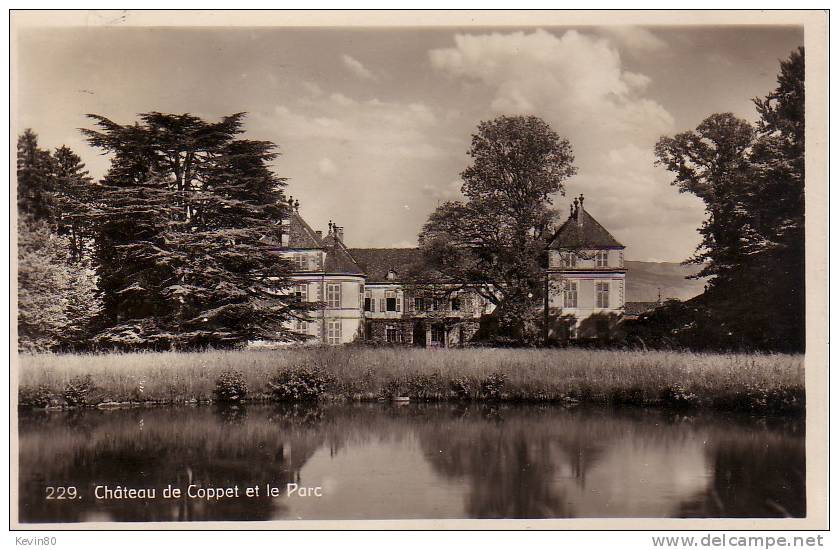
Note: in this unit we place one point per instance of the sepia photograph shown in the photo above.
(278, 268)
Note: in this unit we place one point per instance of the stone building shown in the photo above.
(587, 277)
(362, 294)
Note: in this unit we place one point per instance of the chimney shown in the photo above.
(579, 211)
(339, 233)
(319, 233)
(297, 206)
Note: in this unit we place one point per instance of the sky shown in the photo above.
(373, 124)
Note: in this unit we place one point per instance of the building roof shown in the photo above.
(581, 230)
(338, 258)
(377, 262)
(301, 235)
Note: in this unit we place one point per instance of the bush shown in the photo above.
(34, 398)
(462, 387)
(493, 385)
(77, 390)
(298, 384)
(230, 387)
(425, 386)
(677, 396)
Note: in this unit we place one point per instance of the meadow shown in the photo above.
(763, 382)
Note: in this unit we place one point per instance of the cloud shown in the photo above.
(357, 68)
(578, 83)
(635, 39)
(327, 167)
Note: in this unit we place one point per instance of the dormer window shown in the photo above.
(601, 259)
(569, 260)
(391, 275)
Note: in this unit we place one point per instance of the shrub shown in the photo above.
(298, 384)
(393, 388)
(231, 387)
(462, 387)
(493, 385)
(628, 396)
(34, 398)
(77, 390)
(677, 396)
(424, 386)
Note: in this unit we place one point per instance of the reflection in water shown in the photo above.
(376, 461)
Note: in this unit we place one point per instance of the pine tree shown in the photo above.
(74, 196)
(35, 180)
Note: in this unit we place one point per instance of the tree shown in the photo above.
(752, 182)
(57, 300)
(189, 217)
(74, 194)
(35, 179)
(494, 242)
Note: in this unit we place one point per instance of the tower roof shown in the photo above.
(581, 230)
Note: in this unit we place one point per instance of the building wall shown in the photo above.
(347, 314)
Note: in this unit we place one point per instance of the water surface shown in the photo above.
(382, 461)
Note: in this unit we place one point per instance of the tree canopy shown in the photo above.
(494, 241)
(188, 220)
(751, 179)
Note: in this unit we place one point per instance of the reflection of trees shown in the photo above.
(515, 462)
(155, 448)
(759, 474)
(512, 464)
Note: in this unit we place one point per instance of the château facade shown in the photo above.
(361, 293)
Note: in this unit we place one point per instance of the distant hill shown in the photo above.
(643, 280)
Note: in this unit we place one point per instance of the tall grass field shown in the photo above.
(767, 382)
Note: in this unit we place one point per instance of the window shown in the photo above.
(455, 303)
(301, 292)
(419, 304)
(333, 295)
(391, 275)
(368, 302)
(601, 291)
(394, 335)
(392, 301)
(569, 260)
(333, 331)
(601, 259)
(570, 294)
(438, 334)
(301, 326)
(300, 263)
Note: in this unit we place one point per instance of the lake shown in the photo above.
(413, 461)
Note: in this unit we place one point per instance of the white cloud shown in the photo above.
(576, 81)
(579, 85)
(357, 68)
(327, 167)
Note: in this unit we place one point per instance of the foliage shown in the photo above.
(231, 387)
(494, 241)
(78, 389)
(186, 232)
(462, 387)
(298, 383)
(34, 398)
(493, 385)
(57, 301)
(752, 182)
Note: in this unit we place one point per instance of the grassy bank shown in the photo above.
(731, 381)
